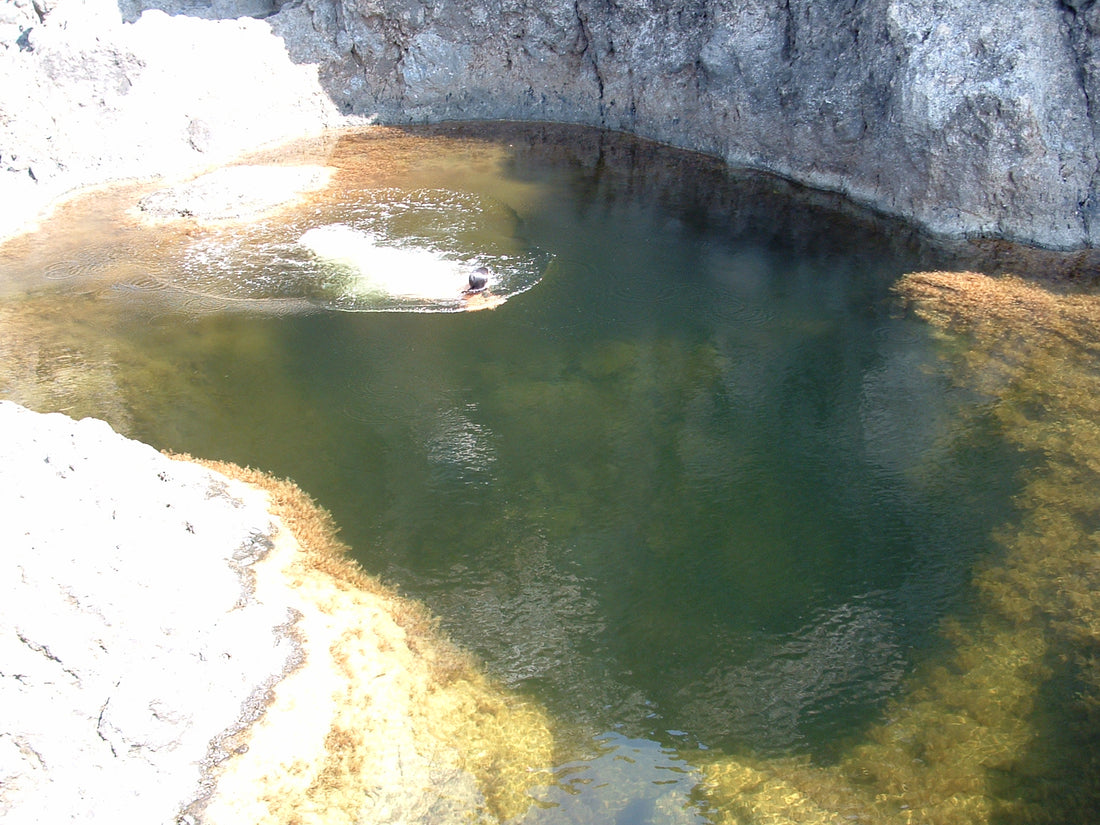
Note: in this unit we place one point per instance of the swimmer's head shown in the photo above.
(479, 279)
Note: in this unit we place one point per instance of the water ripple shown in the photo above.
(88, 264)
(388, 244)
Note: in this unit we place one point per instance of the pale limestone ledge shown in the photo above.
(170, 652)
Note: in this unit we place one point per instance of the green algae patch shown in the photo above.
(980, 735)
(385, 720)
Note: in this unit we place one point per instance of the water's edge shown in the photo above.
(972, 716)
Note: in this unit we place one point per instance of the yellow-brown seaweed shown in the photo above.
(967, 743)
(407, 712)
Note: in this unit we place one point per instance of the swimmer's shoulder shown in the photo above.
(482, 300)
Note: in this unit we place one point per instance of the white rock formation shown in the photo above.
(86, 99)
(132, 639)
(172, 652)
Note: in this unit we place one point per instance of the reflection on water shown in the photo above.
(817, 669)
(704, 487)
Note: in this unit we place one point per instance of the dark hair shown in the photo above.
(479, 278)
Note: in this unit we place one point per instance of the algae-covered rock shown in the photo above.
(180, 645)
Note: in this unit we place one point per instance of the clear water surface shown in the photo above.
(700, 485)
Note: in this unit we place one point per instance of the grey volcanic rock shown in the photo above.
(970, 118)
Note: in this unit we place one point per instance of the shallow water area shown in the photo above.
(251, 242)
(704, 486)
(378, 250)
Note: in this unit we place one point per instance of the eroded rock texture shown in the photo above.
(972, 118)
(969, 117)
(86, 99)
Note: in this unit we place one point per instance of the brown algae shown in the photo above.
(968, 742)
(414, 728)
(970, 739)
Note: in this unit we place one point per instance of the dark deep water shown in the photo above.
(703, 487)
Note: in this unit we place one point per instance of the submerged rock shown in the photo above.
(234, 193)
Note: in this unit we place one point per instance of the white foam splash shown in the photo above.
(415, 272)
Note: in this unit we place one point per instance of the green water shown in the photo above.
(702, 487)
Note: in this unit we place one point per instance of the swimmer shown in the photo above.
(477, 294)
(479, 281)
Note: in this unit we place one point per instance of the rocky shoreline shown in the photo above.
(179, 645)
(87, 100)
(183, 643)
(967, 119)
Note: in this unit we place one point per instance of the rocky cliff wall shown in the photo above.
(968, 118)
(971, 118)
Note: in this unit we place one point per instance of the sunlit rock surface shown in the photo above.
(134, 640)
(969, 118)
(86, 99)
(170, 651)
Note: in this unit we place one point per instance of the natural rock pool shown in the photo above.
(767, 535)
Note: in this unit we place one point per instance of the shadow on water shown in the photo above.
(775, 531)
